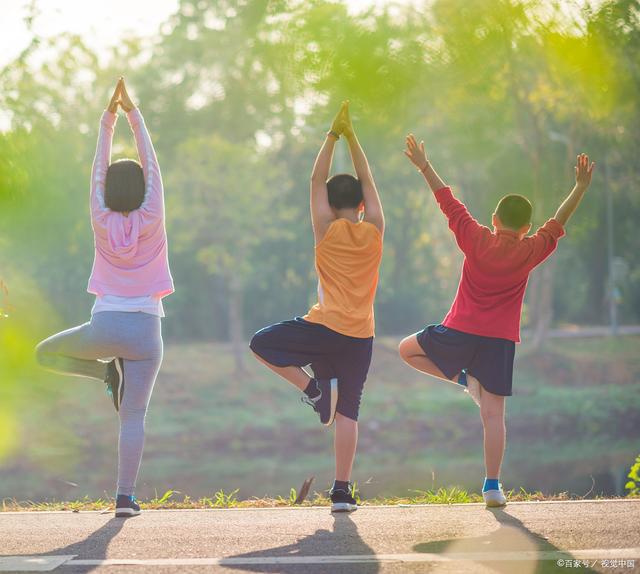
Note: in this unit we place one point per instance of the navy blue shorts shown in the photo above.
(488, 359)
(331, 355)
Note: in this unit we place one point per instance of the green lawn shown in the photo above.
(573, 422)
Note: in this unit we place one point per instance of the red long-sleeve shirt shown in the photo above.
(495, 271)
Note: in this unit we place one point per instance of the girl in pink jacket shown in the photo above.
(122, 344)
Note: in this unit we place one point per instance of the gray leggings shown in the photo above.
(81, 351)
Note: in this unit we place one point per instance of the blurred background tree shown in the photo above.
(238, 96)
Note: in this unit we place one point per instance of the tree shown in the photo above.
(228, 205)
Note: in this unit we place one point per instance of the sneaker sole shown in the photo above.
(343, 507)
(334, 402)
(495, 503)
(124, 512)
(117, 395)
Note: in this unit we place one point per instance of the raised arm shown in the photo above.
(153, 203)
(321, 213)
(418, 157)
(102, 158)
(373, 211)
(465, 228)
(584, 171)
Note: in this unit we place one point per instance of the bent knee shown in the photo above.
(258, 342)
(407, 347)
(41, 352)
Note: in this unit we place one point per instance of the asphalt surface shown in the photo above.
(589, 536)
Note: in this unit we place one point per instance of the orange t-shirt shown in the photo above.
(347, 261)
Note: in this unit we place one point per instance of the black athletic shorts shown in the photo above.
(331, 355)
(488, 359)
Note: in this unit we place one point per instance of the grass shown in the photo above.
(572, 423)
(173, 499)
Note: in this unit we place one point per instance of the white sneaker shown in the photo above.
(473, 388)
(494, 498)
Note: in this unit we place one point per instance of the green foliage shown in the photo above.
(633, 486)
(415, 433)
(237, 96)
(164, 498)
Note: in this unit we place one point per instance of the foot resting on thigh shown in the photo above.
(341, 499)
(126, 506)
(322, 395)
(492, 493)
(115, 381)
(471, 384)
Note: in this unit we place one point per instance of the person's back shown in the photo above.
(347, 262)
(474, 346)
(335, 338)
(131, 256)
(122, 343)
(496, 266)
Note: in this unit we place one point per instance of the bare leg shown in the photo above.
(492, 408)
(346, 439)
(413, 354)
(295, 375)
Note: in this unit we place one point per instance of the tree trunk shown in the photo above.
(236, 322)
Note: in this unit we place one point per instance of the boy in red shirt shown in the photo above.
(475, 344)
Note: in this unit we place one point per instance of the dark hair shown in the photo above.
(345, 191)
(514, 211)
(124, 189)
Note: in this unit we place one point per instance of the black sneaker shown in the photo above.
(325, 403)
(342, 501)
(126, 506)
(115, 381)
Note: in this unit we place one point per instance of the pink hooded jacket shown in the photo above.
(131, 257)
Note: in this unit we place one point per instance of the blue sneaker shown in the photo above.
(115, 381)
(126, 506)
(326, 402)
(494, 498)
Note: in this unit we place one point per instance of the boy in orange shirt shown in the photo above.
(335, 338)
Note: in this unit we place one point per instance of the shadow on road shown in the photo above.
(94, 547)
(511, 536)
(343, 540)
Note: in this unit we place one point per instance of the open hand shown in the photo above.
(416, 153)
(584, 170)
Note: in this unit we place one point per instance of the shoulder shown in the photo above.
(343, 230)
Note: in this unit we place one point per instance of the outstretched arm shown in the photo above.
(584, 171)
(102, 157)
(465, 228)
(373, 211)
(153, 203)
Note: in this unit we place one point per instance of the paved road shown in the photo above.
(522, 539)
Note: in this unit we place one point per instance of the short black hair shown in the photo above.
(514, 211)
(345, 191)
(124, 189)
